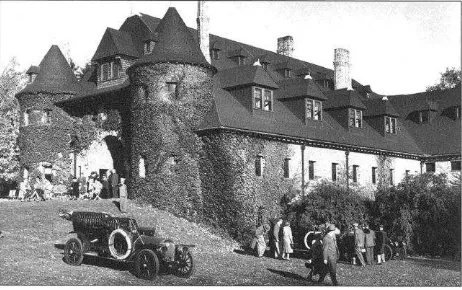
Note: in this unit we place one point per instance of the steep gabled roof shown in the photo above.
(113, 43)
(379, 107)
(297, 87)
(343, 98)
(55, 75)
(245, 75)
(175, 44)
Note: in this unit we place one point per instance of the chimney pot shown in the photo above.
(342, 66)
(286, 45)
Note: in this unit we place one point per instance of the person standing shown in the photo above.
(369, 243)
(105, 188)
(287, 241)
(114, 181)
(330, 254)
(123, 195)
(359, 243)
(316, 262)
(75, 188)
(381, 239)
(259, 240)
(276, 242)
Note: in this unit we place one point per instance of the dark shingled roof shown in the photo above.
(297, 87)
(55, 75)
(379, 107)
(443, 134)
(343, 98)
(245, 75)
(33, 70)
(113, 43)
(176, 43)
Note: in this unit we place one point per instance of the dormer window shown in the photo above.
(240, 60)
(109, 70)
(215, 53)
(424, 117)
(287, 73)
(457, 112)
(313, 109)
(149, 46)
(355, 118)
(32, 78)
(262, 99)
(390, 125)
(264, 65)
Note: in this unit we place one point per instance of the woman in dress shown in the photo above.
(287, 241)
(259, 239)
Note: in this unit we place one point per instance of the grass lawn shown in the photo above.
(31, 254)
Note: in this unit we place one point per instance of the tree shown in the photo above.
(449, 79)
(11, 82)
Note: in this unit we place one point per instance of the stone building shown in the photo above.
(209, 127)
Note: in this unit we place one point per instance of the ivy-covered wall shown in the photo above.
(162, 139)
(236, 198)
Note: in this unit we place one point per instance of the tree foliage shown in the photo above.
(449, 79)
(11, 82)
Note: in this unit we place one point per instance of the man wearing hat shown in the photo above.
(381, 241)
(359, 243)
(330, 253)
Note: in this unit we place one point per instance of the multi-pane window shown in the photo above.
(46, 116)
(390, 125)
(287, 73)
(355, 173)
(259, 166)
(430, 167)
(149, 46)
(172, 88)
(268, 100)
(109, 71)
(355, 118)
(457, 112)
(311, 170)
(263, 99)
(374, 175)
(26, 118)
(287, 168)
(264, 65)
(424, 117)
(334, 171)
(37, 117)
(392, 176)
(313, 109)
(455, 165)
(240, 60)
(215, 53)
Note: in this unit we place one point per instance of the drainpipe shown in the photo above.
(303, 170)
(347, 153)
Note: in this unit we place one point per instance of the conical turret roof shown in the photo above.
(55, 75)
(176, 44)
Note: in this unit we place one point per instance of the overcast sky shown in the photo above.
(396, 48)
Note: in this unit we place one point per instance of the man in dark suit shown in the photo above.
(114, 182)
(330, 253)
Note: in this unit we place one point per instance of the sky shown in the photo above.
(395, 47)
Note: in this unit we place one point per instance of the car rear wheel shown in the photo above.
(73, 252)
(185, 266)
(146, 264)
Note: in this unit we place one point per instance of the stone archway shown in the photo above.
(116, 150)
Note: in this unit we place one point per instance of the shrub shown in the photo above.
(327, 202)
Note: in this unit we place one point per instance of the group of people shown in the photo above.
(38, 189)
(281, 239)
(366, 241)
(96, 188)
(324, 253)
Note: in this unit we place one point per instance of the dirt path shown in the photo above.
(31, 254)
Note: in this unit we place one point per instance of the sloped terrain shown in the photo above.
(31, 252)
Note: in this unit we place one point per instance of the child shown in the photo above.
(287, 241)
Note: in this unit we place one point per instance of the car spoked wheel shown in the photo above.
(146, 264)
(73, 252)
(185, 264)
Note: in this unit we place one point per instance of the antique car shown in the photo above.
(120, 238)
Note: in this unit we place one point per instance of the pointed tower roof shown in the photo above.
(55, 75)
(175, 44)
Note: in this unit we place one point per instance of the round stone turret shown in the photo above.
(171, 95)
(45, 129)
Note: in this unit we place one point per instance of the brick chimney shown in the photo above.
(342, 78)
(286, 45)
(203, 29)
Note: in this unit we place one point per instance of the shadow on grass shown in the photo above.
(294, 276)
(117, 204)
(60, 246)
(436, 264)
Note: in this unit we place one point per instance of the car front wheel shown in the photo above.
(146, 264)
(185, 264)
(73, 252)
